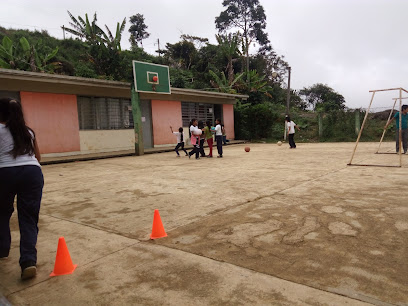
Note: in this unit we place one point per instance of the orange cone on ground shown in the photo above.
(158, 229)
(63, 263)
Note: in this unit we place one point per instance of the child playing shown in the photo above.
(21, 176)
(291, 132)
(218, 137)
(180, 140)
(404, 128)
(208, 136)
(224, 135)
(202, 138)
(195, 133)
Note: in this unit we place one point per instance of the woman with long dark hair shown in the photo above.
(21, 176)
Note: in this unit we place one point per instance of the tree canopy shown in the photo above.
(321, 97)
(137, 30)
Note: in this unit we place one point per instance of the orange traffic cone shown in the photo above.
(63, 263)
(158, 229)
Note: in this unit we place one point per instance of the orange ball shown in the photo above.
(247, 149)
(155, 78)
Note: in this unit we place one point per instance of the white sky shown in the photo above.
(351, 45)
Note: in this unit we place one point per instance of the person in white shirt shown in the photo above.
(180, 140)
(21, 176)
(218, 137)
(195, 133)
(290, 125)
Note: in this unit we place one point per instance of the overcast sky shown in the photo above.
(351, 45)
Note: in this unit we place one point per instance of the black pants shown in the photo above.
(292, 140)
(196, 148)
(218, 139)
(180, 144)
(27, 183)
(404, 139)
(202, 140)
(196, 151)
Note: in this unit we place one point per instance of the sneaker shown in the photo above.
(189, 156)
(28, 271)
(197, 158)
(219, 156)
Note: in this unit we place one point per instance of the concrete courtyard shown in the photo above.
(272, 226)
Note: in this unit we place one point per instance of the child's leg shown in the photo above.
(182, 147)
(197, 150)
(404, 139)
(210, 145)
(202, 147)
(7, 195)
(219, 144)
(177, 147)
(28, 207)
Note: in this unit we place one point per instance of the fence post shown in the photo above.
(320, 121)
(357, 116)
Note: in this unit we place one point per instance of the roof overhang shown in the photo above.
(16, 80)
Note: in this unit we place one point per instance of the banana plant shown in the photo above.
(113, 42)
(7, 58)
(228, 45)
(222, 83)
(25, 56)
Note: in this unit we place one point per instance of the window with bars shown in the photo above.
(96, 113)
(200, 111)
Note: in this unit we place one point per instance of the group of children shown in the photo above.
(198, 135)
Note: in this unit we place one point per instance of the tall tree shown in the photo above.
(248, 16)
(137, 30)
(321, 97)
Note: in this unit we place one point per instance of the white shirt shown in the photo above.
(291, 126)
(195, 130)
(218, 130)
(178, 134)
(6, 145)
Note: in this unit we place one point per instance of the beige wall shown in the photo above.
(106, 140)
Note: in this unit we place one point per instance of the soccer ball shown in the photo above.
(279, 143)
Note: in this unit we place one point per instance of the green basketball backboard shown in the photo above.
(152, 78)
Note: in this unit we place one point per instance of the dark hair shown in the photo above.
(200, 124)
(180, 129)
(208, 123)
(287, 118)
(219, 120)
(12, 114)
(404, 107)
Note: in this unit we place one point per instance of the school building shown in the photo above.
(73, 115)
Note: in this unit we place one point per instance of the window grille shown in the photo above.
(200, 111)
(96, 113)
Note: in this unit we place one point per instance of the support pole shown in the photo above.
(137, 121)
(400, 129)
(389, 117)
(362, 128)
(357, 121)
(320, 123)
